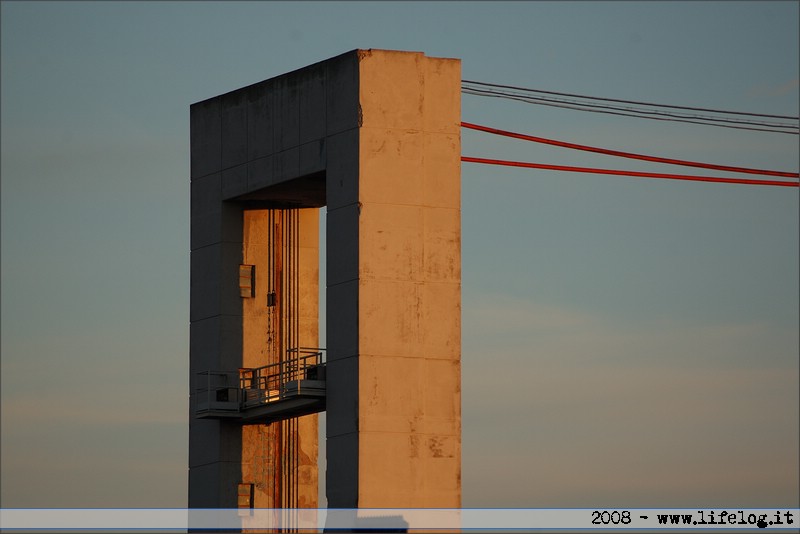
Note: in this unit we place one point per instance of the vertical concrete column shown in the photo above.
(256, 148)
(394, 281)
(215, 310)
(342, 248)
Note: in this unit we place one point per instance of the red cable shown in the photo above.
(628, 154)
(628, 173)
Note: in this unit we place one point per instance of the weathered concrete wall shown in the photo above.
(262, 326)
(260, 147)
(375, 136)
(394, 306)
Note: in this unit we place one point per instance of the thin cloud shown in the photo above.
(675, 410)
(100, 409)
(677, 437)
(506, 313)
(775, 90)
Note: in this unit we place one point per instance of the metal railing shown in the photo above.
(231, 392)
(273, 382)
(218, 391)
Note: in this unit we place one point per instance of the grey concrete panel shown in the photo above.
(287, 164)
(206, 137)
(287, 113)
(234, 181)
(342, 472)
(205, 211)
(342, 396)
(205, 230)
(214, 485)
(215, 344)
(230, 342)
(214, 441)
(342, 315)
(231, 221)
(342, 169)
(342, 249)
(230, 302)
(312, 105)
(204, 343)
(260, 173)
(206, 276)
(260, 120)
(341, 88)
(205, 192)
(215, 281)
(312, 157)
(234, 129)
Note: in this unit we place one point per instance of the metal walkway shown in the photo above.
(260, 395)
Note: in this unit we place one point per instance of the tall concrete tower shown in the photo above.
(374, 136)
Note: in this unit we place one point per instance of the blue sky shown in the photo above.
(626, 342)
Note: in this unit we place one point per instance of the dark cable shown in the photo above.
(538, 99)
(630, 101)
(592, 108)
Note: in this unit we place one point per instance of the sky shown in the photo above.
(627, 342)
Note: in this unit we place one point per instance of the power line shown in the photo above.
(629, 101)
(628, 173)
(638, 113)
(629, 155)
(500, 93)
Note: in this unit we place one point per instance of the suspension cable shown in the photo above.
(630, 155)
(627, 173)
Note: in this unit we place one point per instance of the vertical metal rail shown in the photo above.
(295, 423)
(287, 300)
(289, 434)
(290, 423)
(288, 309)
(280, 447)
(279, 307)
(294, 434)
(287, 344)
(264, 430)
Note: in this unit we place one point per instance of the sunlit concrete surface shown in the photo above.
(374, 136)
